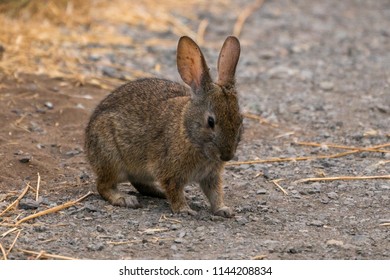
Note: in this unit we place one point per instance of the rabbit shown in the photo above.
(161, 135)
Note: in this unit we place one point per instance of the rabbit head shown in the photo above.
(212, 120)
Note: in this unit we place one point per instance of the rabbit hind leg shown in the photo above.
(149, 189)
(107, 188)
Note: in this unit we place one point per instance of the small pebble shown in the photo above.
(281, 72)
(95, 247)
(40, 228)
(109, 72)
(80, 106)
(49, 105)
(341, 187)
(242, 221)
(293, 250)
(25, 159)
(200, 229)
(34, 127)
(217, 218)
(333, 195)
(324, 200)
(100, 228)
(84, 176)
(18, 152)
(179, 240)
(326, 85)
(306, 75)
(28, 204)
(266, 54)
(261, 191)
(349, 201)
(333, 242)
(73, 153)
(133, 223)
(316, 223)
(175, 226)
(266, 174)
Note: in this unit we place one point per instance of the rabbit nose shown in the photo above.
(226, 157)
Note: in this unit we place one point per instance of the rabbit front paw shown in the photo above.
(225, 212)
(128, 201)
(186, 211)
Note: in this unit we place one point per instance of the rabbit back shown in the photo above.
(130, 129)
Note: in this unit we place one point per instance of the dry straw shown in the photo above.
(59, 32)
(276, 183)
(260, 119)
(259, 257)
(43, 254)
(38, 187)
(15, 203)
(8, 231)
(164, 218)
(53, 209)
(3, 252)
(352, 150)
(13, 243)
(376, 149)
(344, 178)
(244, 14)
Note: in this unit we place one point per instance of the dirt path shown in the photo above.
(315, 71)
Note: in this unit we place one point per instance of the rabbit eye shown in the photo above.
(211, 122)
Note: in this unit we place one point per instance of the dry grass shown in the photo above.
(351, 150)
(44, 255)
(57, 31)
(13, 243)
(276, 183)
(58, 12)
(345, 178)
(53, 209)
(17, 223)
(245, 13)
(16, 202)
(3, 252)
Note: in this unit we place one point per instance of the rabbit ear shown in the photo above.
(191, 64)
(227, 61)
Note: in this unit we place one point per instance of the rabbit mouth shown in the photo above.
(220, 157)
(227, 157)
(212, 152)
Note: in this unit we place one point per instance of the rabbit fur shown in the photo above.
(161, 135)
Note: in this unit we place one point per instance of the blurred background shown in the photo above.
(305, 50)
(98, 41)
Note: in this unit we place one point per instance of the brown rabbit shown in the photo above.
(161, 135)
